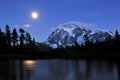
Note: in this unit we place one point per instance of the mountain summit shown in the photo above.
(68, 34)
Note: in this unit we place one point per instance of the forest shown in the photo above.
(108, 49)
(13, 43)
(22, 45)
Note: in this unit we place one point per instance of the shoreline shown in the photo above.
(66, 57)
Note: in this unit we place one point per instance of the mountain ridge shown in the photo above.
(68, 33)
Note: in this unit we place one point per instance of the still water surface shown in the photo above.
(59, 70)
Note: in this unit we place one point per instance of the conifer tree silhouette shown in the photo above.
(28, 38)
(33, 42)
(117, 36)
(0, 37)
(8, 35)
(22, 37)
(86, 38)
(14, 37)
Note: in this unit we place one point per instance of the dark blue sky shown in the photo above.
(105, 14)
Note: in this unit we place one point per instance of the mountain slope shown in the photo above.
(69, 33)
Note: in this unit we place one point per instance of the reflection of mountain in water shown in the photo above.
(59, 70)
(83, 70)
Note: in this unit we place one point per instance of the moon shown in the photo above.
(34, 15)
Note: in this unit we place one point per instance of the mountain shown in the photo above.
(68, 34)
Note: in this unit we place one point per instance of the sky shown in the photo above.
(105, 14)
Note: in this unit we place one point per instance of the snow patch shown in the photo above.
(68, 33)
(53, 46)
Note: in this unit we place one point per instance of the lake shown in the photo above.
(57, 69)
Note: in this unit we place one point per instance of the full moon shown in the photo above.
(34, 15)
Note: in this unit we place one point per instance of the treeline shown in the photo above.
(108, 48)
(21, 45)
(12, 41)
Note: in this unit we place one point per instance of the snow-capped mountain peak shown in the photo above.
(68, 33)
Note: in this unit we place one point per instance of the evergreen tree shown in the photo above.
(8, 37)
(33, 42)
(0, 36)
(117, 36)
(76, 45)
(117, 41)
(86, 38)
(14, 37)
(28, 38)
(108, 38)
(0, 32)
(22, 37)
(3, 39)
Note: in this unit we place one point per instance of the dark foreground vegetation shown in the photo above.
(108, 49)
(13, 44)
(22, 46)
